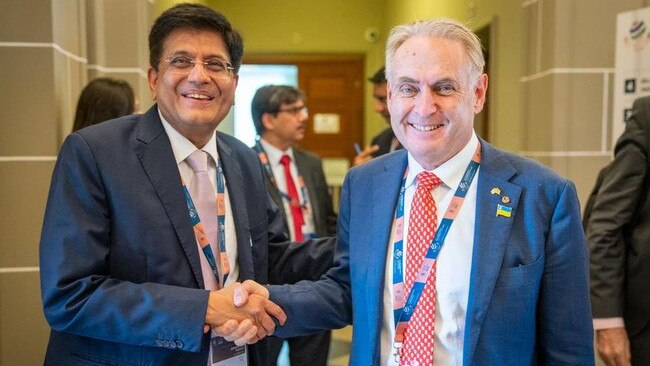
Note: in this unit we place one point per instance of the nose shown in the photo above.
(198, 74)
(426, 103)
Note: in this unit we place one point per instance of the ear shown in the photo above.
(267, 121)
(480, 93)
(152, 79)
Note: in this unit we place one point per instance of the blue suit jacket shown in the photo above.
(528, 296)
(121, 279)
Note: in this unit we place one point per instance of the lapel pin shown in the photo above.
(505, 199)
(504, 211)
(495, 190)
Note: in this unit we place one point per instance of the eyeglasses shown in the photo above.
(295, 110)
(182, 65)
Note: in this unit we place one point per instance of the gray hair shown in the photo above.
(444, 28)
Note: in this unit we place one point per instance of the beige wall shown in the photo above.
(566, 84)
(333, 26)
(49, 49)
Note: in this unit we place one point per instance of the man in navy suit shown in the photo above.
(123, 258)
(279, 115)
(504, 279)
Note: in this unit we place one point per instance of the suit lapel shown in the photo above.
(157, 159)
(305, 171)
(381, 208)
(272, 189)
(491, 233)
(237, 197)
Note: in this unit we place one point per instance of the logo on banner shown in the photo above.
(637, 36)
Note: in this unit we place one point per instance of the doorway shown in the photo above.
(334, 86)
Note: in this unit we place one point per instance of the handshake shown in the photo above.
(242, 313)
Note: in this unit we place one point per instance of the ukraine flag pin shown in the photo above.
(504, 211)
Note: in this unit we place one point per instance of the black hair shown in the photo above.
(379, 77)
(269, 99)
(194, 16)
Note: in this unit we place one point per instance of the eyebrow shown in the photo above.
(191, 55)
(407, 79)
(447, 80)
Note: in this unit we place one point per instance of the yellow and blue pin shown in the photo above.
(502, 210)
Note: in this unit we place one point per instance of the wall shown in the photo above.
(49, 49)
(566, 84)
(310, 26)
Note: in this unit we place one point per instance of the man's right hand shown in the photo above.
(365, 155)
(613, 346)
(245, 323)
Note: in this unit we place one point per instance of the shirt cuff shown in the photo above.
(607, 323)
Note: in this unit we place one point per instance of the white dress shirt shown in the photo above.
(454, 261)
(182, 148)
(274, 155)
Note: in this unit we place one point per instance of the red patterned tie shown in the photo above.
(418, 344)
(296, 210)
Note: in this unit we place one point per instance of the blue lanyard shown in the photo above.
(269, 172)
(402, 311)
(199, 229)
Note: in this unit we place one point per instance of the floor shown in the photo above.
(339, 349)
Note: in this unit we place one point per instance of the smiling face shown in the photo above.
(286, 128)
(432, 99)
(194, 102)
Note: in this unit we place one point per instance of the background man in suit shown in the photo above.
(618, 232)
(279, 114)
(385, 141)
(126, 274)
(510, 283)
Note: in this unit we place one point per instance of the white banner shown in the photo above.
(632, 76)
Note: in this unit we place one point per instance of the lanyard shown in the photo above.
(199, 229)
(403, 310)
(269, 172)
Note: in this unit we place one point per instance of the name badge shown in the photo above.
(226, 353)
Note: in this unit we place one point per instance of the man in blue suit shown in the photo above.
(126, 275)
(504, 279)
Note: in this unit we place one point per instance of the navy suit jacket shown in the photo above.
(120, 273)
(384, 140)
(310, 167)
(528, 296)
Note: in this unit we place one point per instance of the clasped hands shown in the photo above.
(242, 313)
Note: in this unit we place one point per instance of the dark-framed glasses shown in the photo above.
(182, 65)
(295, 110)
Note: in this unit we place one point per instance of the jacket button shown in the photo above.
(179, 344)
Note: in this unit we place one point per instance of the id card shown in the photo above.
(226, 353)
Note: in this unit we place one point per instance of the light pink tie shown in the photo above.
(423, 221)
(205, 201)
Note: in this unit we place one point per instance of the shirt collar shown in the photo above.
(274, 154)
(182, 147)
(450, 172)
